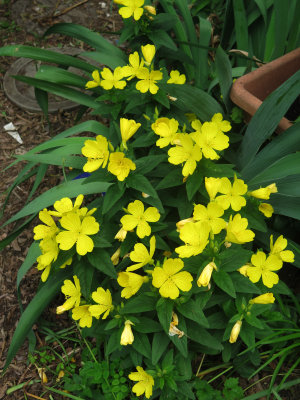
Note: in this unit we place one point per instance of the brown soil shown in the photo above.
(21, 22)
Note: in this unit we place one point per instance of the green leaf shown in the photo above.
(85, 273)
(161, 38)
(265, 120)
(243, 284)
(45, 55)
(60, 90)
(164, 308)
(165, 21)
(34, 309)
(181, 343)
(100, 259)
(159, 344)
(140, 303)
(174, 178)
(42, 98)
(193, 184)
(191, 311)
(68, 189)
(286, 205)
(142, 345)
(113, 343)
(142, 184)
(104, 58)
(241, 25)
(224, 281)
(147, 325)
(232, 259)
(113, 194)
(247, 335)
(192, 99)
(202, 336)
(148, 163)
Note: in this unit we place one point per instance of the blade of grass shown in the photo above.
(281, 24)
(240, 24)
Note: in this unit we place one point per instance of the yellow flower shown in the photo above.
(104, 300)
(176, 78)
(186, 152)
(232, 194)
(266, 209)
(148, 80)
(141, 256)
(131, 283)
(264, 193)
(266, 298)
(134, 66)
(72, 293)
(82, 314)
(139, 217)
(212, 187)
(128, 127)
(65, 205)
(278, 249)
(211, 214)
(262, 267)
(195, 236)
(169, 280)
(223, 125)
(235, 332)
(148, 53)
(237, 231)
(127, 335)
(205, 276)
(167, 130)
(77, 231)
(145, 382)
(96, 80)
(49, 254)
(210, 139)
(112, 79)
(96, 152)
(120, 166)
(48, 230)
(131, 7)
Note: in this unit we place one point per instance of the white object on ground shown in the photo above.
(12, 131)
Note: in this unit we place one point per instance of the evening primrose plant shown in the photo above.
(164, 258)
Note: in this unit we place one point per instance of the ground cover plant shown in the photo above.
(165, 252)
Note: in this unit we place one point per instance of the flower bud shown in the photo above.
(121, 235)
(267, 298)
(150, 9)
(235, 331)
(266, 209)
(243, 270)
(115, 257)
(205, 275)
(181, 223)
(127, 335)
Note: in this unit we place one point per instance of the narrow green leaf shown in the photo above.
(232, 259)
(59, 90)
(174, 178)
(281, 24)
(140, 303)
(68, 189)
(32, 254)
(286, 205)
(224, 73)
(240, 23)
(80, 32)
(161, 38)
(264, 122)
(53, 74)
(142, 345)
(113, 194)
(191, 311)
(193, 184)
(280, 146)
(105, 58)
(142, 184)
(243, 284)
(42, 98)
(34, 309)
(45, 55)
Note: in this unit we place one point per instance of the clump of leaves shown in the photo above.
(231, 390)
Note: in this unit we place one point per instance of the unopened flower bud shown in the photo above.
(235, 331)
(127, 335)
(267, 298)
(205, 275)
(121, 235)
(115, 257)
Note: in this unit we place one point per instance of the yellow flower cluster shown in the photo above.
(262, 266)
(98, 155)
(85, 312)
(140, 67)
(77, 223)
(190, 147)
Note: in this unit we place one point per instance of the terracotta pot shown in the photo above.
(249, 91)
